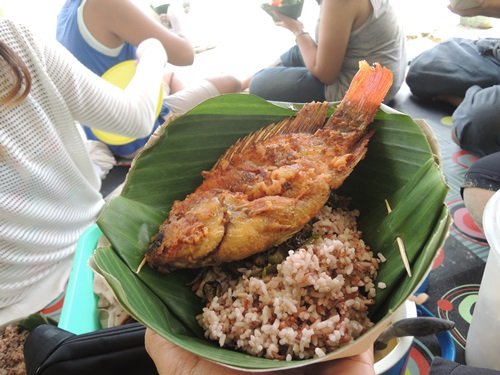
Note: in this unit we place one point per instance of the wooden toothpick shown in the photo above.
(143, 262)
(401, 245)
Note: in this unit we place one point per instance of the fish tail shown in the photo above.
(364, 96)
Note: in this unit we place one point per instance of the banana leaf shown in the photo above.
(401, 166)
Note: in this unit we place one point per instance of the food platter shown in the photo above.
(401, 166)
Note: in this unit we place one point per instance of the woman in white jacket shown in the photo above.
(49, 189)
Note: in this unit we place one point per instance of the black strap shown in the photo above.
(50, 350)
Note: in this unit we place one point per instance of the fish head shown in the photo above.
(193, 231)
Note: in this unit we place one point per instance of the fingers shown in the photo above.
(157, 347)
(170, 359)
(361, 364)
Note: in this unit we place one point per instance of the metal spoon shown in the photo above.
(420, 326)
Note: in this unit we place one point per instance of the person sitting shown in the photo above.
(466, 74)
(103, 33)
(322, 68)
(50, 188)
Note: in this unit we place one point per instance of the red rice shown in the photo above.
(317, 301)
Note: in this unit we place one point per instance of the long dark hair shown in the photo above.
(21, 85)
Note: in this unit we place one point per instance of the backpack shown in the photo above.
(50, 350)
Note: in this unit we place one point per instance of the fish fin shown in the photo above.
(308, 119)
(368, 89)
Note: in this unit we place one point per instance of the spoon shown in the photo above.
(420, 326)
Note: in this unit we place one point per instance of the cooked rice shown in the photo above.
(316, 302)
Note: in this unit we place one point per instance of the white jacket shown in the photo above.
(49, 190)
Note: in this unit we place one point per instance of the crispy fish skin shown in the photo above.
(267, 186)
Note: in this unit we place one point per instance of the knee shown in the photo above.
(475, 200)
(226, 84)
(415, 76)
(268, 84)
(256, 83)
(476, 133)
(481, 181)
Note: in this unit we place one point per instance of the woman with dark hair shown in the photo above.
(49, 188)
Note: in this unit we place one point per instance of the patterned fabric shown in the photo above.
(54, 308)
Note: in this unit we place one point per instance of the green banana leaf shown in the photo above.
(400, 167)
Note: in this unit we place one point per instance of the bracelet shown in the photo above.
(299, 33)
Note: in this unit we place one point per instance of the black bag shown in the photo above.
(50, 350)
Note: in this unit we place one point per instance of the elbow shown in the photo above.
(142, 121)
(327, 79)
(327, 82)
(182, 56)
(143, 132)
(185, 60)
(189, 58)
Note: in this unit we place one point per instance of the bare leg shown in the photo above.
(172, 83)
(475, 200)
(226, 84)
(194, 94)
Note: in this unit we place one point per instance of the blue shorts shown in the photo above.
(289, 81)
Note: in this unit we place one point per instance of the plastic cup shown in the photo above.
(483, 343)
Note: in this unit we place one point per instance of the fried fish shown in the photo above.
(270, 184)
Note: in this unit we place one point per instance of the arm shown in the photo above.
(113, 22)
(490, 8)
(324, 60)
(93, 101)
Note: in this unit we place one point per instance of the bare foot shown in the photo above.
(475, 200)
